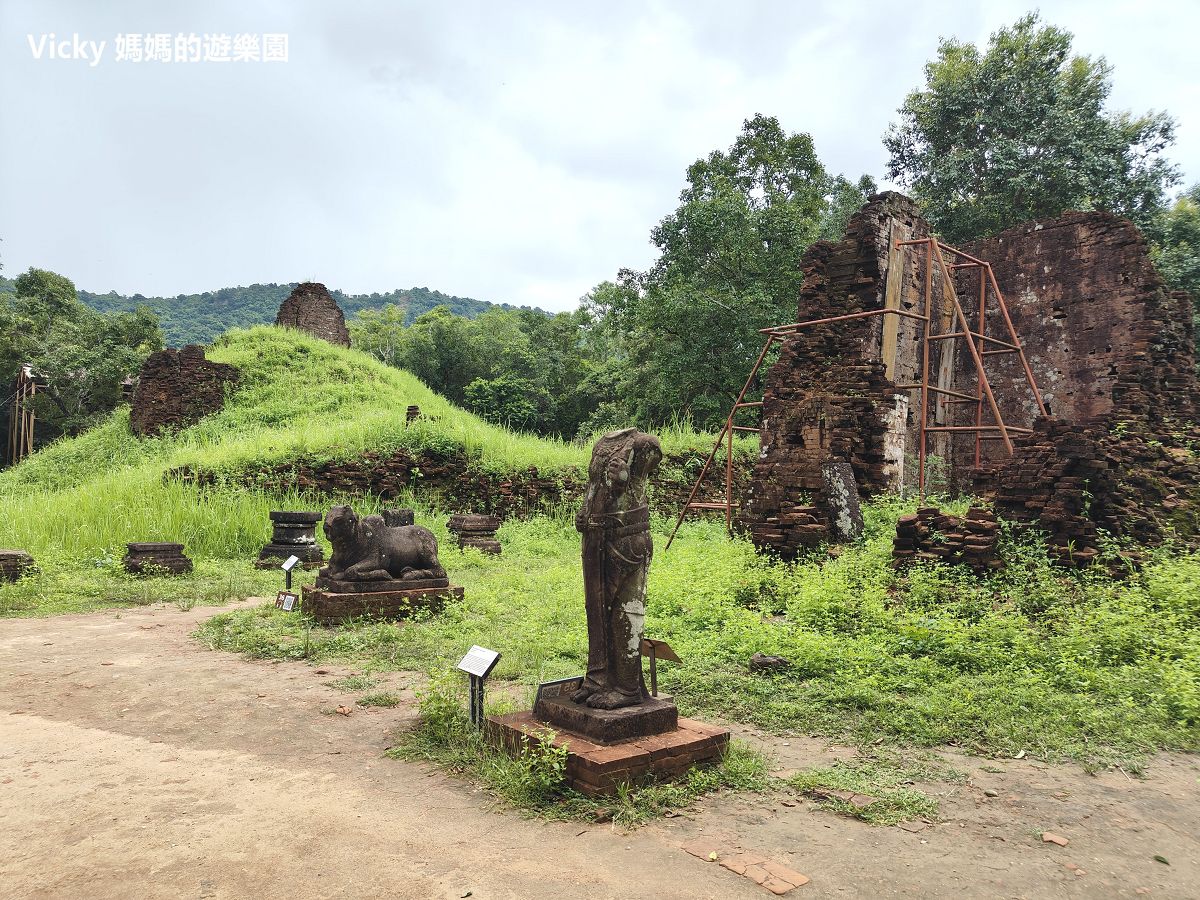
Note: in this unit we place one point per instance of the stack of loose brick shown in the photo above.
(1125, 478)
(934, 536)
(156, 558)
(475, 531)
(789, 532)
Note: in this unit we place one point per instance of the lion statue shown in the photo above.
(367, 549)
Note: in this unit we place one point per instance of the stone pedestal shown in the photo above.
(14, 564)
(292, 534)
(156, 558)
(334, 602)
(607, 726)
(476, 531)
(594, 768)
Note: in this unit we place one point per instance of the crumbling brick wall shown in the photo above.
(830, 394)
(452, 481)
(1100, 329)
(1113, 355)
(1110, 348)
(177, 388)
(310, 307)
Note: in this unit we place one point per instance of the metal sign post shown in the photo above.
(286, 599)
(478, 664)
(656, 650)
(287, 566)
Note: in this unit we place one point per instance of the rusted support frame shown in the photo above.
(739, 403)
(978, 384)
(1012, 333)
(784, 330)
(957, 334)
(936, 390)
(925, 368)
(987, 388)
(977, 428)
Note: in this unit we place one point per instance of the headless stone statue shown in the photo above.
(615, 524)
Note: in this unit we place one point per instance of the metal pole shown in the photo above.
(978, 381)
(925, 367)
(476, 702)
(653, 673)
(987, 388)
(1012, 332)
(729, 475)
(771, 339)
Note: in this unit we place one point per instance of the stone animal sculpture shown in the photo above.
(367, 549)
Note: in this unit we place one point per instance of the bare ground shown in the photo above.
(135, 763)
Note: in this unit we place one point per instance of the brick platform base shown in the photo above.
(329, 608)
(597, 769)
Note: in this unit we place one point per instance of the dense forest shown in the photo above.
(201, 318)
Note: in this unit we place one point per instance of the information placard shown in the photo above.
(659, 650)
(479, 661)
(286, 601)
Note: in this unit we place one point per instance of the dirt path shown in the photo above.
(134, 763)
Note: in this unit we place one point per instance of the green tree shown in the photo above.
(379, 332)
(1019, 132)
(729, 265)
(81, 356)
(508, 400)
(1176, 237)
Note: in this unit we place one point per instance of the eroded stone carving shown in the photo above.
(369, 550)
(382, 566)
(615, 523)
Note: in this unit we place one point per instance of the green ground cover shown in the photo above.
(75, 504)
(1032, 658)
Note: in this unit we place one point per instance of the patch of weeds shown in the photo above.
(1059, 664)
(533, 782)
(384, 699)
(887, 781)
(354, 683)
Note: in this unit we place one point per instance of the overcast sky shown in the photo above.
(515, 152)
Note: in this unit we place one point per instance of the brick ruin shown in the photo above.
(1110, 348)
(177, 388)
(451, 481)
(934, 536)
(310, 307)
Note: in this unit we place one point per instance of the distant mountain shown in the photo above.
(201, 318)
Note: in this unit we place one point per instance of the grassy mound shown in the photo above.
(76, 503)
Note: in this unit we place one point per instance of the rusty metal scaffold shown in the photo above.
(958, 327)
(21, 417)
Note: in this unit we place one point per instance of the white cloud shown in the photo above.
(516, 154)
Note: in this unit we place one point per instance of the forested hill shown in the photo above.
(200, 318)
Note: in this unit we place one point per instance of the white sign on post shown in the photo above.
(479, 661)
(290, 563)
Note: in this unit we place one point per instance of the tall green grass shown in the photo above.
(1033, 658)
(81, 499)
